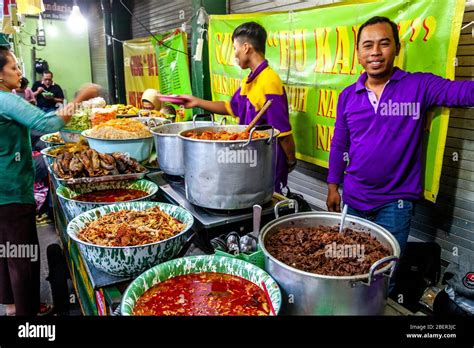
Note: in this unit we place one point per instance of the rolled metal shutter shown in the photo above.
(160, 16)
(97, 43)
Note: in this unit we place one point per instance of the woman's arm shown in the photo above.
(21, 111)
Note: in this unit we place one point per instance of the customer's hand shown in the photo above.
(87, 92)
(333, 201)
(40, 90)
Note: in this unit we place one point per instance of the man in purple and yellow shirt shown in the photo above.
(262, 84)
(376, 150)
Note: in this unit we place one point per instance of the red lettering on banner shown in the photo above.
(135, 98)
(136, 65)
(152, 65)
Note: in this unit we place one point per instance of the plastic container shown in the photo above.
(139, 149)
(257, 258)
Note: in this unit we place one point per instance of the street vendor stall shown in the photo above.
(86, 178)
(108, 207)
(101, 293)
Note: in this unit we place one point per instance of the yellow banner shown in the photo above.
(30, 7)
(141, 69)
(314, 52)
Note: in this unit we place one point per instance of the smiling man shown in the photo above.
(376, 150)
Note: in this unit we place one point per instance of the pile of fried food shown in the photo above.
(90, 163)
(151, 113)
(120, 129)
(130, 228)
(224, 135)
(72, 148)
(55, 138)
(122, 109)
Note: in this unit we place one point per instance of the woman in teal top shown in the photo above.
(19, 248)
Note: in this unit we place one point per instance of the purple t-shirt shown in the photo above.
(261, 85)
(382, 140)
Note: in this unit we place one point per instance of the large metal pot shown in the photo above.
(230, 174)
(313, 294)
(169, 149)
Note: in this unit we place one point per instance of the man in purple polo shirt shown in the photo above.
(261, 85)
(376, 151)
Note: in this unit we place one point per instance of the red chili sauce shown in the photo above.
(110, 196)
(203, 294)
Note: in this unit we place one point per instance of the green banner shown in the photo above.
(314, 52)
(173, 67)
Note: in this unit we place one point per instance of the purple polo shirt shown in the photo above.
(261, 85)
(383, 139)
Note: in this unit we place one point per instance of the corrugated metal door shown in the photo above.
(245, 6)
(449, 222)
(97, 43)
(160, 16)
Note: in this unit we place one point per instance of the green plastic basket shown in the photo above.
(257, 258)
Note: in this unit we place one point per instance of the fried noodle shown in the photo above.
(130, 228)
(119, 129)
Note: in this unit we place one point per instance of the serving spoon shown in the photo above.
(343, 218)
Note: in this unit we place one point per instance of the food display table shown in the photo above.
(100, 293)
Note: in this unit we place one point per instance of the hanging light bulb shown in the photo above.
(76, 20)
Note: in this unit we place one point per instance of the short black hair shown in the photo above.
(24, 82)
(254, 33)
(4, 50)
(379, 19)
(48, 72)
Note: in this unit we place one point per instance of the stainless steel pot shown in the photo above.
(313, 294)
(169, 148)
(152, 122)
(230, 174)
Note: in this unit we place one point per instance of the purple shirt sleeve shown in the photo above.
(339, 145)
(443, 92)
(277, 114)
(232, 106)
